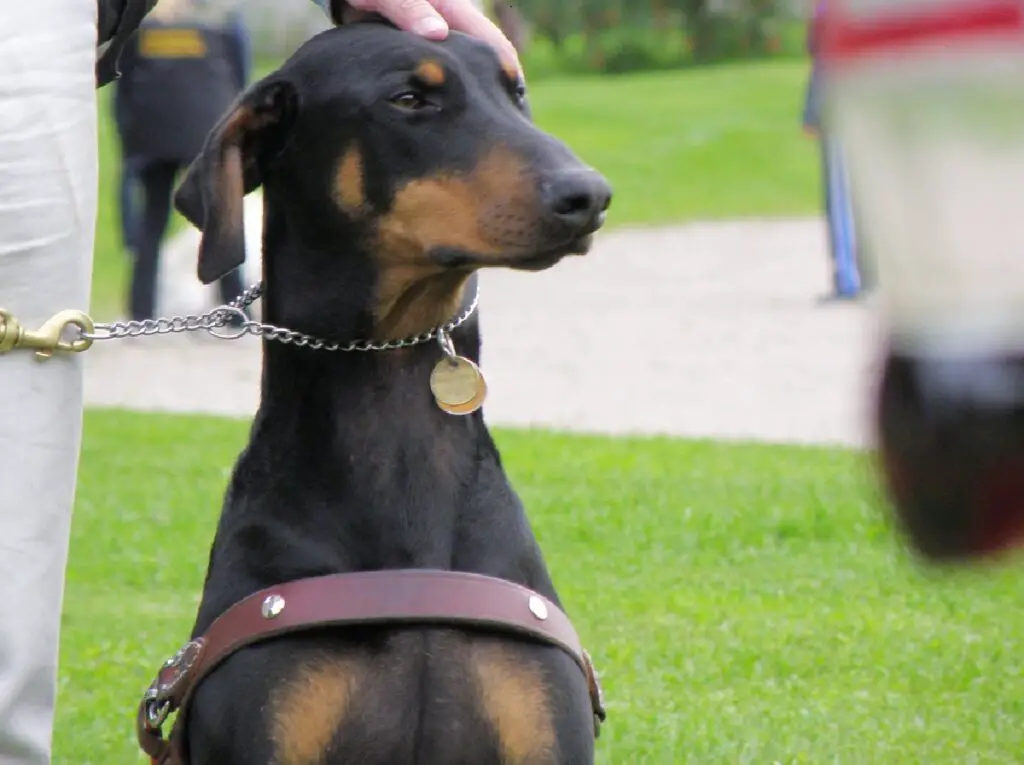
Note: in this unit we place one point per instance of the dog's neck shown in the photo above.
(380, 465)
(424, 309)
(364, 390)
(361, 308)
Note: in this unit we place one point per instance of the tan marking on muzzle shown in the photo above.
(486, 212)
(489, 212)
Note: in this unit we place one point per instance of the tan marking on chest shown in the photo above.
(305, 713)
(515, 701)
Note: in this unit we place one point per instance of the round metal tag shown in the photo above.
(473, 404)
(457, 382)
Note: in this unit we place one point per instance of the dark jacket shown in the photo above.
(177, 79)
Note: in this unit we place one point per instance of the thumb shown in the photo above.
(416, 16)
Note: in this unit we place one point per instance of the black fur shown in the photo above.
(351, 466)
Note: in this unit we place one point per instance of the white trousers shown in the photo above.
(48, 179)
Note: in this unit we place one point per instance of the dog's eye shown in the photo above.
(519, 93)
(410, 101)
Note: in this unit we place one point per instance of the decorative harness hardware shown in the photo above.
(393, 597)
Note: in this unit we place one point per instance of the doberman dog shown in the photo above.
(393, 168)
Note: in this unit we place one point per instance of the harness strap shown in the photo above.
(395, 597)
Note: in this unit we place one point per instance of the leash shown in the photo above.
(75, 332)
(457, 383)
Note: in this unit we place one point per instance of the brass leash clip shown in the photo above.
(50, 338)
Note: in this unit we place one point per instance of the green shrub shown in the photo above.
(613, 37)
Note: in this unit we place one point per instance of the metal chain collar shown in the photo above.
(216, 320)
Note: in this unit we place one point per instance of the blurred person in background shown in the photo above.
(129, 190)
(511, 22)
(839, 213)
(188, 63)
(508, 19)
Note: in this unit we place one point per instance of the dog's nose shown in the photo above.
(578, 198)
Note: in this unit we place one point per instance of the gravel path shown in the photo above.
(702, 330)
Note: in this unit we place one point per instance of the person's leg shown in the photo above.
(841, 228)
(129, 202)
(48, 191)
(157, 180)
(826, 207)
(244, 49)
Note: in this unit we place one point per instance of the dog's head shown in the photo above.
(419, 157)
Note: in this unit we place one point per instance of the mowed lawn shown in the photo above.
(722, 142)
(745, 604)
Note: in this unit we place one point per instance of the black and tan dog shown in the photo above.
(392, 169)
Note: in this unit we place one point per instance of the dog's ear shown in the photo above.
(230, 166)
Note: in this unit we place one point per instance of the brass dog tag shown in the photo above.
(472, 405)
(458, 385)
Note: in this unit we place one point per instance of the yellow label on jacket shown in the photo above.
(171, 43)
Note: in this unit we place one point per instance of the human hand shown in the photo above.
(433, 19)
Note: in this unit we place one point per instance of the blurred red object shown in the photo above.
(851, 29)
(928, 100)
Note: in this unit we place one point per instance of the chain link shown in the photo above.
(217, 319)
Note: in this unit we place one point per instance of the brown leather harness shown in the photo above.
(397, 597)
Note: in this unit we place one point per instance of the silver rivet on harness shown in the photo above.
(538, 608)
(273, 605)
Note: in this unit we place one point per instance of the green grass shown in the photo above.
(110, 262)
(718, 142)
(745, 604)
